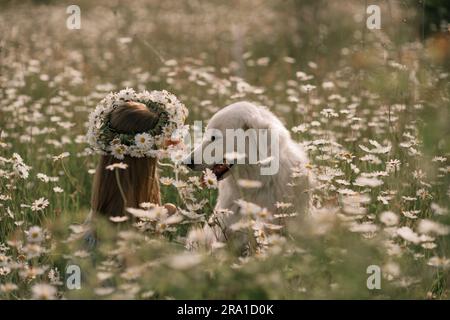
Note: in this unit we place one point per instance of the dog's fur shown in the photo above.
(275, 187)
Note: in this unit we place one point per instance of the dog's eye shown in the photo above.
(213, 138)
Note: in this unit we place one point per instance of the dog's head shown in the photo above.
(239, 134)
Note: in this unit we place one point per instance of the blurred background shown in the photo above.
(334, 83)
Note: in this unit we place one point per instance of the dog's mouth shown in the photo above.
(220, 170)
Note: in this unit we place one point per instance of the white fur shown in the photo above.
(274, 187)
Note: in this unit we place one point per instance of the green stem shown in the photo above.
(71, 179)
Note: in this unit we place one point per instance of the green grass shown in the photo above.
(219, 48)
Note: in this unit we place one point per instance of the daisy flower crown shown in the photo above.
(104, 139)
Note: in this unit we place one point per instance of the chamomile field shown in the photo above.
(370, 106)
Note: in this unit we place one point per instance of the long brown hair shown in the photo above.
(139, 182)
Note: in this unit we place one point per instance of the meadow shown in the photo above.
(370, 106)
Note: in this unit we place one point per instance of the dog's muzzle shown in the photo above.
(219, 170)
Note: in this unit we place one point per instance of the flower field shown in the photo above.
(371, 107)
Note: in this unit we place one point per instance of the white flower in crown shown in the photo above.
(119, 151)
(104, 139)
(136, 152)
(127, 94)
(143, 140)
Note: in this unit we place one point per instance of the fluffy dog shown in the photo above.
(287, 181)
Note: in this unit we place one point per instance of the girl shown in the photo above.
(139, 181)
(131, 131)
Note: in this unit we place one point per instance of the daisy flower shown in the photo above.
(143, 140)
(209, 179)
(43, 291)
(368, 182)
(184, 261)
(428, 226)
(439, 262)
(20, 168)
(389, 218)
(119, 151)
(119, 219)
(43, 177)
(407, 234)
(117, 165)
(58, 190)
(249, 184)
(40, 204)
(8, 287)
(61, 156)
(233, 157)
(126, 94)
(167, 181)
(34, 234)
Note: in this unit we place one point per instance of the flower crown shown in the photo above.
(104, 139)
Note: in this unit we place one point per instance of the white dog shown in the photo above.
(286, 181)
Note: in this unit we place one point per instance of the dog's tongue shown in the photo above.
(220, 169)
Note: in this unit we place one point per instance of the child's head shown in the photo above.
(139, 182)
